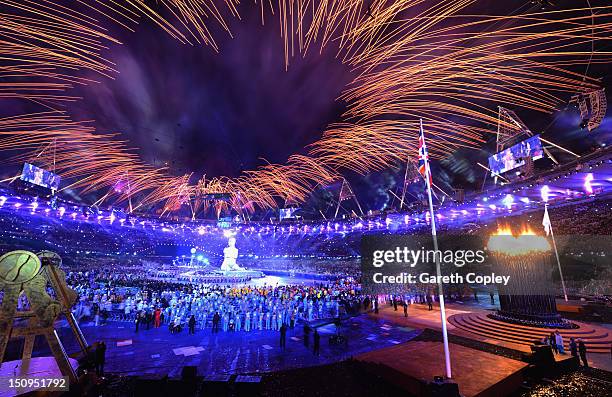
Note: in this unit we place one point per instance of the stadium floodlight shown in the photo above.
(544, 193)
(588, 186)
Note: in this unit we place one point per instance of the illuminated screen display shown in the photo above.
(514, 156)
(224, 223)
(40, 177)
(287, 213)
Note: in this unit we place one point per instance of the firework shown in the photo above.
(414, 59)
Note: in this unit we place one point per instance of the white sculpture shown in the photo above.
(230, 254)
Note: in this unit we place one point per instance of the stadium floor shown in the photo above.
(156, 351)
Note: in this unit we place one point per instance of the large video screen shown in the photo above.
(515, 156)
(224, 223)
(287, 213)
(40, 177)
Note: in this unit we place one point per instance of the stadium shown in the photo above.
(305, 198)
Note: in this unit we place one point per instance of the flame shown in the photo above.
(527, 231)
(503, 231)
(506, 230)
(526, 242)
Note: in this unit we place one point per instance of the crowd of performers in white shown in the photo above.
(225, 308)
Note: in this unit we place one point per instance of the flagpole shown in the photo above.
(438, 271)
(404, 187)
(552, 234)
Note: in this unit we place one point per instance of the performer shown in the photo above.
(247, 321)
(582, 350)
(230, 254)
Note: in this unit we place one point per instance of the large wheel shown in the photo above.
(18, 267)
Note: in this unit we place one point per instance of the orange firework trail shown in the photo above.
(435, 60)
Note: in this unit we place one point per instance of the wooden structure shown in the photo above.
(23, 272)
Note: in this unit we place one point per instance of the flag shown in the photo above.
(424, 158)
(546, 221)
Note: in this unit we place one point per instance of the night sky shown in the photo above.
(215, 113)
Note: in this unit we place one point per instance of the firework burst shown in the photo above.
(434, 60)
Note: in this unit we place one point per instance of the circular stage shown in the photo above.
(597, 339)
(216, 276)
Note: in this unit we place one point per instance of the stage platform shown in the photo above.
(158, 352)
(215, 276)
(241, 273)
(477, 373)
(597, 339)
(37, 367)
(472, 322)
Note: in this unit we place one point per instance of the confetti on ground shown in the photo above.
(188, 350)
